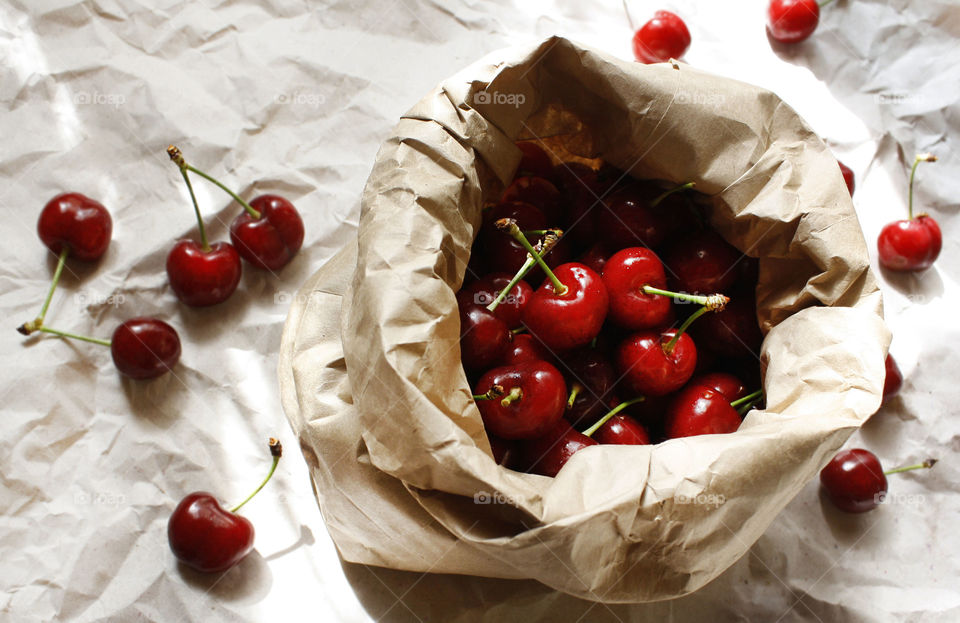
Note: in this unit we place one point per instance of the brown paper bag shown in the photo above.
(370, 364)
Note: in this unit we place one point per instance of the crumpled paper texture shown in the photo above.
(369, 368)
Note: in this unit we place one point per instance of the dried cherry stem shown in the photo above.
(515, 394)
(29, 327)
(612, 412)
(494, 392)
(715, 302)
(667, 193)
(913, 171)
(510, 226)
(276, 450)
(177, 156)
(925, 465)
(74, 336)
(546, 245)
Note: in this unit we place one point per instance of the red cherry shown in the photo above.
(622, 430)
(505, 452)
(624, 275)
(854, 480)
(910, 245)
(206, 537)
(893, 380)
(592, 377)
(732, 331)
(484, 338)
(847, 176)
(201, 278)
(524, 347)
(534, 161)
(538, 192)
(650, 370)
(573, 318)
(627, 220)
(144, 348)
(76, 222)
(595, 258)
(533, 400)
(502, 253)
(792, 21)
(702, 262)
(662, 38)
(699, 410)
(271, 240)
(548, 454)
(727, 384)
(485, 290)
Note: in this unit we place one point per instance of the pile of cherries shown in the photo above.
(602, 309)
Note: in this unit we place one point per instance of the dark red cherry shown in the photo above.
(524, 347)
(733, 332)
(76, 222)
(538, 192)
(505, 452)
(503, 254)
(622, 430)
(594, 377)
(144, 348)
(566, 320)
(595, 258)
(893, 380)
(548, 454)
(702, 262)
(624, 275)
(662, 38)
(533, 401)
(271, 240)
(727, 384)
(792, 21)
(854, 480)
(200, 278)
(910, 245)
(648, 369)
(699, 410)
(626, 219)
(205, 536)
(485, 290)
(534, 161)
(484, 338)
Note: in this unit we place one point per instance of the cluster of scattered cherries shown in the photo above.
(201, 533)
(566, 354)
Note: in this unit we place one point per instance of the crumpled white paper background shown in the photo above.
(281, 96)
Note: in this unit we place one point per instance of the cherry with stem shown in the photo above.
(855, 481)
(912, 244)
(612, 412)
(204, 536)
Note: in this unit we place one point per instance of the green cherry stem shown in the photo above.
(747, 399)
(29, 327)
(913, 171)
(494, 392)
(824, 3)
(515, 394)
(715, 302)
(667, 193)
(551, 238)
(712, 303)
(177, 156)
(196, 210)
(574, 392)
(612, 412)
(276, 450)
(84, 338)
(925, 465)
(510, 226)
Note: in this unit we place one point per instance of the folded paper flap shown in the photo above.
(608, 521)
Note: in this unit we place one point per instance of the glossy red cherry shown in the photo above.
(200, 278)
(702, 262)
(76, 222)
(847, 176)
(699, 410)
(484, 338)
(910, 245)
(548, 454)
(662, 38)
(727, 384)
(595, 258)
(485, 290)
(792, 21)
(533, 398)
(567, 319)
(205, 536)
(893, 380)
(648, 368)
(524, 347)
(144, 348)
(622, 430)
(854, 480)
(271, 240)
(624, 275)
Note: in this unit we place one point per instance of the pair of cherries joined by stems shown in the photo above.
(267, 234)
(73, 225)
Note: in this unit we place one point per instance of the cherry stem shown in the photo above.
(276, 450)
(629, 19)
(494, 392)
(196, 209)
(913, 171)
(574, 392)
(748, 398)
(84, 338)
(511, 227)
(177, 156)
(518, 330)
(925, 465)
(515, 394)
(666, 194)
(714, 302)
(617, 409)
(668, 348)
(545, 246)
(824, 3)
(29, 327)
